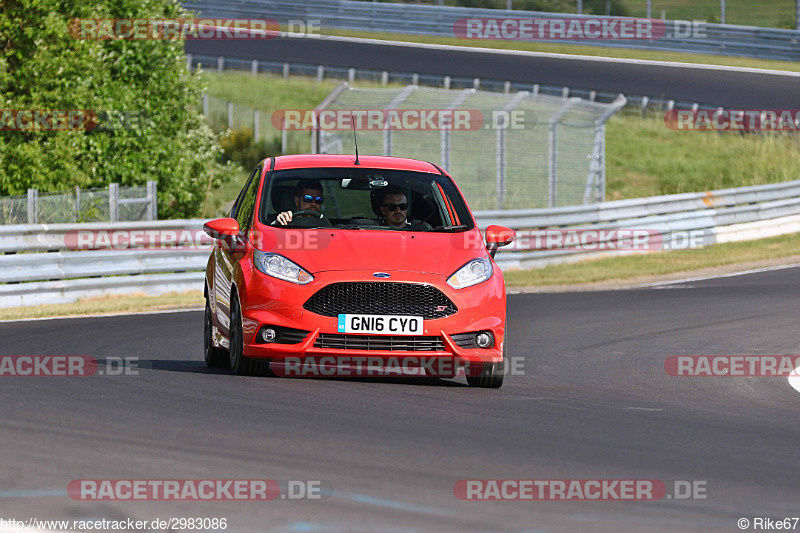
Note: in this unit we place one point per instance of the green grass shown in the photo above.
(574, 49)
(108, 305)
(645, 158)
(769, 13)
(657, 263)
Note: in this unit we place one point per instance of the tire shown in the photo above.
(214, 357)
(491, 375)
(241, 365)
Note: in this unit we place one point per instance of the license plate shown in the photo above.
(381, 324)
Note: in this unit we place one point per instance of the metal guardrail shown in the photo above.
(31, 278)
(748, 41)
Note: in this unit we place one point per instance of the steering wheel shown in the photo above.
(308, 212)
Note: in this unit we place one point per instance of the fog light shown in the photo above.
(269, 334)
(484, 339)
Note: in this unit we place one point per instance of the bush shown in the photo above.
(43, 67)
(238, 146)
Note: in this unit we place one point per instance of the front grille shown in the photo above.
(381, 298)
(390, 343)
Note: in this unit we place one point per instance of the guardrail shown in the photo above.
(748, 41)
(41, 264)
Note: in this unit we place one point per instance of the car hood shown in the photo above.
(379, 250)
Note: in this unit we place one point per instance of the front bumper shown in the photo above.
(271, 302)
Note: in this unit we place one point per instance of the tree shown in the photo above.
(44, 67)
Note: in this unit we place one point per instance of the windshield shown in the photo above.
(363, 198)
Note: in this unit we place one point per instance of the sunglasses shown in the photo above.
(392, 207)
(307, 198)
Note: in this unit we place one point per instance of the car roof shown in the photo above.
(285, 162)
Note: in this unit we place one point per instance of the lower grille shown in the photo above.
(391, 343)
(464, 340)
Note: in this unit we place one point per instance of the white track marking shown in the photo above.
(106, 315)
(575, 57)
(715, 276)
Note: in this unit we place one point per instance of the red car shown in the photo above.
(339, 265)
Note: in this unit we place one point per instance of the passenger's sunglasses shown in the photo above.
(307, 198)
(392, 207)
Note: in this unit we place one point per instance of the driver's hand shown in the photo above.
(284, 218)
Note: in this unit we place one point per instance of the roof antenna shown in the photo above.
(355, 140)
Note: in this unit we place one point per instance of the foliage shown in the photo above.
(43, 66)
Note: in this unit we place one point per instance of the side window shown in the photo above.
(247, 202)
(238, 202)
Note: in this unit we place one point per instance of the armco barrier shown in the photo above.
(725, 39)
(38, 267)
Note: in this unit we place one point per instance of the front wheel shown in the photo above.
(241, 365)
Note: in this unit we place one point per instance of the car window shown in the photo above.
(247, 203)
(237, 203)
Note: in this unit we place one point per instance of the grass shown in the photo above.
(645, 158)
(575, 49)
(657, 263)
(771, 13)
(108, 305)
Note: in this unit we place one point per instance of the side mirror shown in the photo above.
(221, 228)
(497, 236)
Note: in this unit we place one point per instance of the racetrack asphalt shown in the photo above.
(734, 89)
(594, 402)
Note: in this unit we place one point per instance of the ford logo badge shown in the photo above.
(381, 275)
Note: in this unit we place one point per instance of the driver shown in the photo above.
(394, 207)
(307, 197)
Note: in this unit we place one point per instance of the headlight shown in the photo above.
(474, 272)
(279, 267)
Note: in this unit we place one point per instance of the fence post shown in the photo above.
(286, 71)
(501, 161)
(205, 105)
(152, 197)
(476, 83)
(256, 125)
(415, 79)
(351, 75)
(384, 78)
(189, 62)
(447, 82)
(285, 137)
(77, 203)
(113, 202)
(220, 64)
(230, 115)
(552, 151)
(320, 73)
(33, 206)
